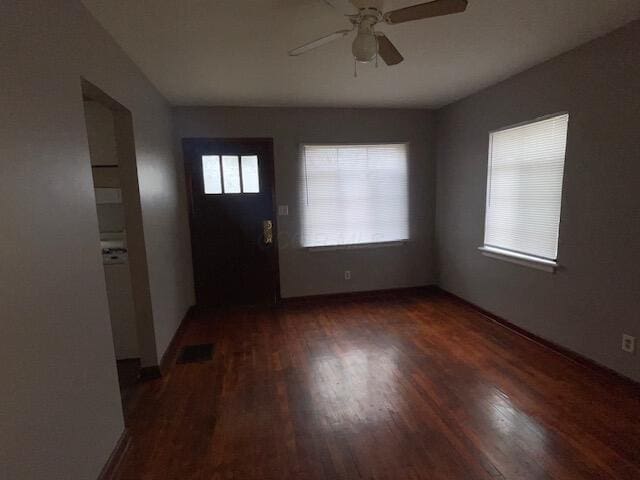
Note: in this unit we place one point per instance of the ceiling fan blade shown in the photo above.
(319, 42)
(387, 50)
(435, 8)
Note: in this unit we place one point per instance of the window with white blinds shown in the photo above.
(524, 191)
(354, 194)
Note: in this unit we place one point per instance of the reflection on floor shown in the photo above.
(409, 385)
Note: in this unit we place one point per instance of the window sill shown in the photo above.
(519, 259)
(356, 246)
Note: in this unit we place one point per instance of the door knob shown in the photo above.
(267, 232)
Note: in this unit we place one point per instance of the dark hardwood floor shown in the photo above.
(398, 386)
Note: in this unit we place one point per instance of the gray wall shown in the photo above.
(303, 272)
(595, 296)
(60, 410)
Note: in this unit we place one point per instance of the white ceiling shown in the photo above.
(234, 52)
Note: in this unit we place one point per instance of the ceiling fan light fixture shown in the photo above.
(365, 45)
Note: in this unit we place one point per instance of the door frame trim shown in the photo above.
(267, 142)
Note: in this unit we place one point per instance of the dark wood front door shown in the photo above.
(233, 233)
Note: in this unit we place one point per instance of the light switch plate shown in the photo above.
(283, 210)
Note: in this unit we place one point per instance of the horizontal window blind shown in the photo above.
(524, 191)
(354, 194)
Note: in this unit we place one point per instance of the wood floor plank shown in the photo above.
(397, 386)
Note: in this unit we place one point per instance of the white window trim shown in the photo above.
(529, 122)
(357, 246)
(522, 259)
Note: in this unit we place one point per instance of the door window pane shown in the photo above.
(211, 174)
(231, 174)
(250, 179)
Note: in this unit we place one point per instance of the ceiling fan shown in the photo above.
(370, 43)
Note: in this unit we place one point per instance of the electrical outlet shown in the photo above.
(347, 274)
(628, 343)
